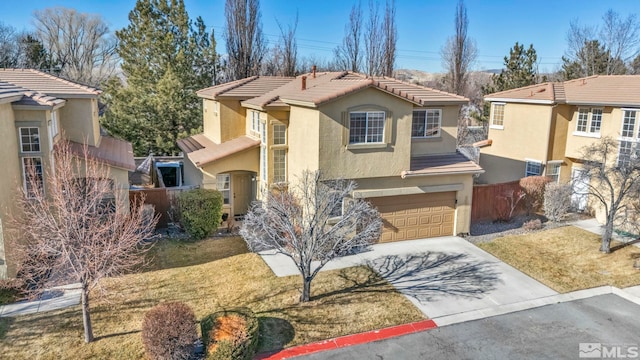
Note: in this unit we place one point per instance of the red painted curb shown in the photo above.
(349, 340)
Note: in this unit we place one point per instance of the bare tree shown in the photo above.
(246, 46)
(373, 41)
(459, 53)
(80, 43)
(390, 35)
(9, 50)
(612, 178)
(557, 201)
(289, 48)
(298, 222)
(74, 229)
(348, 55)
(621, 37)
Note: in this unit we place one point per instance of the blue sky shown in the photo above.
(423, 26)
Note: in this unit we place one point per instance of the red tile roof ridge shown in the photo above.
(422, 87)
(337, 94)
(528, 87)
(57, 78)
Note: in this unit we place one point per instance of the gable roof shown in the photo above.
(323, 87)
(201, 151)
(112, 151)
(38, 81)
(612, 90)
(9, 92)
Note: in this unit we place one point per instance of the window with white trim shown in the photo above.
(629, 148)
(533, 168)
(279, 134)
(366, 127)
(553, 171)
(29, 139)
(589, 121)
(255, 121)
(497, 115)
(279, 165)
(224, 186)
(426, 123)
(32, 174)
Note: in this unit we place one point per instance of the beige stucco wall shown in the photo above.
(524, 136)
(611, 126)
(463, 196)
(446, 142)
(248, 160)
(337, 159)
(227, 123)
(79, 121)
(12, 179)
(303, 141)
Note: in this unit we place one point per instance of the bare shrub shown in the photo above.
(511, 200)
(557, 201)
(533, 187)
(532, 225)
(169, 331)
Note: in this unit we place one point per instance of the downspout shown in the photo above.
(549, 142)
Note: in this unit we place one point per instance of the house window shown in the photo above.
(533, 168)
(553, 171)
(29, 139)
(224, 186)
(279, 134)
(255, 121)
(628, 150)
(263, 164)
(497, 116)
(589, 121)
(426, 123)
(32, 175)
(279, 165)
(628, 124)
(628, 153)
(366, 127)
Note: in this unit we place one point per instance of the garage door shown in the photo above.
(408, 217)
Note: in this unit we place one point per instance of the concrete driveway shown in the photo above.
(442, 276)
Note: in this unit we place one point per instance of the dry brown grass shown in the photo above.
(172, 253)
(241, 280)
(567, 259)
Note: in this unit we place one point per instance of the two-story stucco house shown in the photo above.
(396, 140)
(36, 111)
(543, 129)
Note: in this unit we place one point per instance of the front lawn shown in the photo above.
(567, 259)
(345, 304)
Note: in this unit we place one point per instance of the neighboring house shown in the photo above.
(396, 140)
(36, 111)
(542, 129)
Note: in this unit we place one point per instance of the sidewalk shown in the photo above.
(52, 299)
(592, 225)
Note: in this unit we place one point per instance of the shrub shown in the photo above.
(169, 331)
(557, 201)
(11, 290)
(533, 187)
(230, 334)
(531, 225)
(200, 212)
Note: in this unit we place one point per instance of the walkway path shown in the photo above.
(52, 299)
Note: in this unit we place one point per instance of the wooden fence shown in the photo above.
(160, 198)
(493, 202)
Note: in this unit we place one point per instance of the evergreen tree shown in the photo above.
(592, 59)
(165, 60)
(520, 69)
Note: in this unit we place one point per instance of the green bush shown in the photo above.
(169, 332)
(223, 342)
(200, 212)
(11, 290)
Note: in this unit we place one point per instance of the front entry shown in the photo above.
(409, 217)
(242, 192)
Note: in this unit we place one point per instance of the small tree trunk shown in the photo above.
(605, 247)
(306, 289)
(86, 317)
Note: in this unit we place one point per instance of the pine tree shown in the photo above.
(592, 59)
(520, 69)
(165, 60)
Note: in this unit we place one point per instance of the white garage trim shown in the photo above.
(362, 194)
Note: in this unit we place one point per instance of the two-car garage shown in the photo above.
(416, 216)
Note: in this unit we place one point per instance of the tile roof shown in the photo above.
(114, 152)
(328, 86)
(35, 98)
(9, 91)
(442, 164)
(39, 81)
(614, 90)
(244, 88)
(201, 151)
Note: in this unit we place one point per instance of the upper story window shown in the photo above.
(366, 127)
(426, 123)
(279, 134)
(629, 148)
(589, 122)
(533, 168)
(255, 121)
(497, 115)
(29, 139)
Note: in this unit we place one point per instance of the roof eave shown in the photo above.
(408, 173)
(10, 99)
(615, 104)
(299, 103)
(201, 164)
(516, 100)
